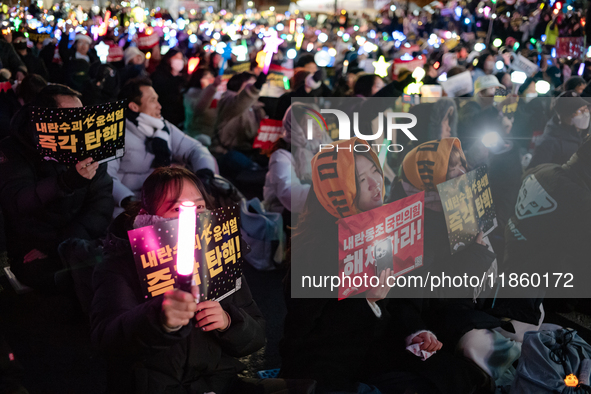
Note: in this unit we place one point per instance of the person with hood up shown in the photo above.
(169, 82)
(461, 323)
(564, 132)
(171, 343)
(44, 202)
(356, 345)
(150, 142)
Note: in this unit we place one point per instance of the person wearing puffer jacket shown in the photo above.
(150, 142)
(239, 113)
(290, 172)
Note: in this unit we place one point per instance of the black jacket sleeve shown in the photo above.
(246, 333)
(544, 153)
(120, 324)
(20, 189)
(96, 213)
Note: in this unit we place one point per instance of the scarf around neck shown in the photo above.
(157, 139)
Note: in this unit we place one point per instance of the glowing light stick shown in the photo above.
(193, 64)
(102, 30)
(186, 245)
(272, 42)
(381, 67)
(227, 55)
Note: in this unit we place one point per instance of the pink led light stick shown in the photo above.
(272, 42)
(185, 257)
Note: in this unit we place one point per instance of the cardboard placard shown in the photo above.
(468, 208)
(218, 255)
(458, 85)
(521, 63)
(390, 236)
(573, 47)
(70, 135)
(269, 132)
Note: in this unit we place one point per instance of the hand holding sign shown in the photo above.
(86, 168)
(381, 291)
(211, 316)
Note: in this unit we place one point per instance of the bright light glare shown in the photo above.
(491, 139)
(186, 238)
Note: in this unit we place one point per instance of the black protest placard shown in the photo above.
(70, 135)
(38, 38)
(468, 207)
(217, 267)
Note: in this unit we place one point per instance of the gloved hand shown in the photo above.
(261, 79)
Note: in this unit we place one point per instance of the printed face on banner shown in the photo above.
(71, 134)
(388, 237)
(218, 254)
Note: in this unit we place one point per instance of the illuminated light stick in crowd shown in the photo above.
(185, 257)
(102, 29)
(226, 55)
(272, 42)
(193, 64)
(299, 40)
(381, 67)
(518, 78)
(260, 59)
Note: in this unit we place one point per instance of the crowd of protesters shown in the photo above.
(192, 117)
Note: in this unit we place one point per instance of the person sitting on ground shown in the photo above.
(352, 344)
(200, 106)
(150, 142)
(44, 202)
(172, 342)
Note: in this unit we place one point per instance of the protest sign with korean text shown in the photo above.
(70, 135)
(390, 236)
(218, 254)
(269, 132)
(468, 207)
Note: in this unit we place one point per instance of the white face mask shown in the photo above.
(581, 122)
(177, 65)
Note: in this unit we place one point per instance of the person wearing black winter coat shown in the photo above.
(144, 353)
(169, 83)
(550, 229)
(561, 137)
(44, 202)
